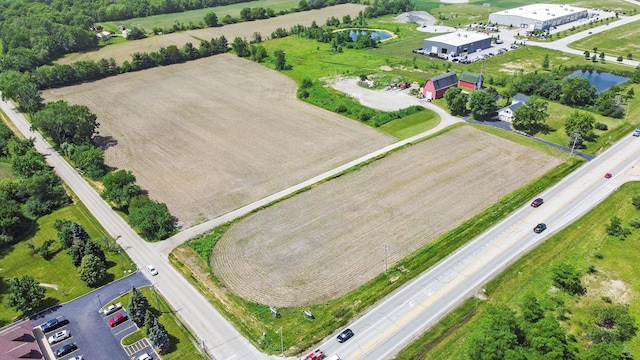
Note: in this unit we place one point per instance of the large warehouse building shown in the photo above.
(458, 43)
(538, 16)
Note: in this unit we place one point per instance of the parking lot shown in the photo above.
(88, 327)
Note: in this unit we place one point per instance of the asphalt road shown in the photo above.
(405, 314)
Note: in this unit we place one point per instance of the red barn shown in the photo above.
(437, 86)
(471, 80)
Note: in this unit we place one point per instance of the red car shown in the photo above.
(316, 355)
(537, 202)
(607, 175)
(118, 319)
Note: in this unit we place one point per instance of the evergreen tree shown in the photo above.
(93, 271)
(159, 337)
(138, 305)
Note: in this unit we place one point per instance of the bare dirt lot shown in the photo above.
(212, 135)
(325, 242)
(123, 51)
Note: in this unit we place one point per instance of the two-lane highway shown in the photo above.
(405, 314)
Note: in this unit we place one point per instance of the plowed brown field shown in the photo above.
(123, 51)
(212, 135)
(327, 241)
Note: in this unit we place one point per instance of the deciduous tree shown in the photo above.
(93, 270)
(456, 101)
(25, 294)
(62, 122)
(120, 187)
(481, 104)
(531, 116)
(580, 122)
(211, 19)
(152, 219)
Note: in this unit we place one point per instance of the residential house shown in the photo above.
(435, 87)
(506, 113)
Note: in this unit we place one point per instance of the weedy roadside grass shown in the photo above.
(584, 243)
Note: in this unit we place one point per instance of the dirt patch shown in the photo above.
(206, 141)
(327, 241)
(617, 290)
(123, 51)
(420, 17)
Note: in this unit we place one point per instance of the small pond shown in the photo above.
(374, 34)
(602, 80)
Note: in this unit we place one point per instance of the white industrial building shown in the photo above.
(456, 43)
(538, 16)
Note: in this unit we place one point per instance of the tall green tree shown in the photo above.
(498, 335)
(25, 294)
(531, 116)
(159, 337)
(211, 19)
(281, 60)
(74, 124)
(138, 306)
(64, 231)
(93, 270)
(577, 91)
(481, 104)
(456, 101)
(240, 47)
(152, 219)
(120, 187)
(582, 123)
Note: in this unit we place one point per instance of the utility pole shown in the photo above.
(576, 135)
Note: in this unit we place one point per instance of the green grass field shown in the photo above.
(182, 346)
(197, 16)
(584, 243)
(615, 42)
(19, 260)
(411, 125)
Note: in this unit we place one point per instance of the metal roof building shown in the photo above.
(538, 16)
(459, 42)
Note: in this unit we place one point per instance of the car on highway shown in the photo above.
(66, 349)
(59, 336)
(345, 335)
(537, 202)
(637, 132)
(52, 325)
(152, 270)
(540, 228)
(118, 319)
(607, 175)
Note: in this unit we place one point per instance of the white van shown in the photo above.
(333, 357)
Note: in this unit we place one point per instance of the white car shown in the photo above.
(59, 336)
(145, 357)
(152, 270)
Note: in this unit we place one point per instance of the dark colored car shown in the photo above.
(66, 349)
(345, 335)
(52, 325)
(540, 228)
(118, 319)
(537, 202)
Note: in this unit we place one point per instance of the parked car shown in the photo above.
(79, 357)
(118, 319)
(59, 336)
(53, 324)
(66, 349)
(537, 202)
(540, 228)
(152, 270)
(145, 356)
(345, 335)
(111, 309)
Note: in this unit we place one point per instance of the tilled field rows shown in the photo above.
(327, 241)
(212, 135)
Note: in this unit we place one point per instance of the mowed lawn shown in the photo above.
(19, 260)
(618, 41)
(411, 125)
(584, 243)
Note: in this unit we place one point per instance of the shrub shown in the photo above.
(601, 126)
(341, 108)
(635, 222)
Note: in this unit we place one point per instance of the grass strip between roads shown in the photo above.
(256, 322)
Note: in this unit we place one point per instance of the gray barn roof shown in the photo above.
(445, 80)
